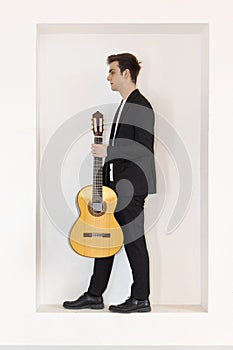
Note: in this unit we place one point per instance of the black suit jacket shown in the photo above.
(133, 152)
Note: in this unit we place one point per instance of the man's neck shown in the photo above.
(127, 91)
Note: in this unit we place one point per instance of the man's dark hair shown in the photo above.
(126, 61)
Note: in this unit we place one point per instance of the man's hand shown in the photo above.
(99, 150)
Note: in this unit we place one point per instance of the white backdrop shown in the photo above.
(20, 322)
(72, 77)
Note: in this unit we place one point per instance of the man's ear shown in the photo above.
(126, 73)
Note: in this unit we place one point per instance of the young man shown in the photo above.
(129, 170)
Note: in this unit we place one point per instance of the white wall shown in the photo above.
(72, 78)
(20, 323)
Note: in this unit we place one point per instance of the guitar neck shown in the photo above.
(97, 188)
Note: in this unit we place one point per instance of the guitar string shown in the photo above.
(98, 183)
(97, 194)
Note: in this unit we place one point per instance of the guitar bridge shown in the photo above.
(96, 234)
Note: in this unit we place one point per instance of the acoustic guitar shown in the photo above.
(96, 233)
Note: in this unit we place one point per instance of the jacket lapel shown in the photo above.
(129, 100)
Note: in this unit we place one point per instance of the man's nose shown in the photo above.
(108, 77)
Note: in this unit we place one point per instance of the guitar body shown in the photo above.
(96, 233)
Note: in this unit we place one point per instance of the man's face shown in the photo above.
(115, 77)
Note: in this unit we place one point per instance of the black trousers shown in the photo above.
(130, 215)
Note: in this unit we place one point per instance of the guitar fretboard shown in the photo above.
(97, 191)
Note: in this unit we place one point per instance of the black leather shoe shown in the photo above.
(85, 301)
(132, 305)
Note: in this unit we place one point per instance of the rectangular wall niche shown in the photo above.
(71, 83)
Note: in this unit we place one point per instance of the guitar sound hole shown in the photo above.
(95, 211)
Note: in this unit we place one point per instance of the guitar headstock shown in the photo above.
(97, 124)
